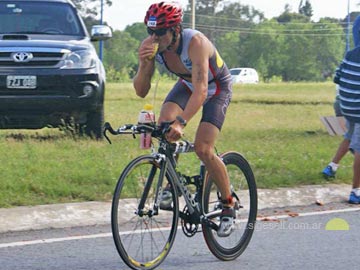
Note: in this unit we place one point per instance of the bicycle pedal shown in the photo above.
(238, 206)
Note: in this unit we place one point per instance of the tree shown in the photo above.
(228, 45)
(207, 6)
(121, 55)
(216, 16)
(301, 63)
(264, 49)
(137, 31)
(289, 47)
(306, 9)
(90, 7)
(329, 46)
(89, 10)
(295, 51)
(287, 16)
(238, 14)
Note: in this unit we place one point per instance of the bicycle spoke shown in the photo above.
(143, 238)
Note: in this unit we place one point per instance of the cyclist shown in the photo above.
(204, 81)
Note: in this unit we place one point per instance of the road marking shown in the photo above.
(54, 240)
(104, 235)
(316, 213)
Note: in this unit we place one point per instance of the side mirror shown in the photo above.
(100, 32)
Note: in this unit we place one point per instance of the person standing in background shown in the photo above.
(330, 170)
(348, 79)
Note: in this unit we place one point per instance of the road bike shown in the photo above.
(144, 230)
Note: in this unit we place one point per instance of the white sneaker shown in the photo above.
(166, 200)
(227, 222)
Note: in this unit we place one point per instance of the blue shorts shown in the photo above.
(214, 108)
(353, 135)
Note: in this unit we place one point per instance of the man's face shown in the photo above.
(163, 36)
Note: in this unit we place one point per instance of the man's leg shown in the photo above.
(169, 111)
(204, 147)
(174, 103)
(330, 170)
(356, 170)
(342, 150)
(355, 147)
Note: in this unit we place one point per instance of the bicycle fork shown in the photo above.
(158, 162)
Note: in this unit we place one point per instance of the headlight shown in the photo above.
(79, 59)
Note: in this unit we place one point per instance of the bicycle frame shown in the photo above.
(203, 206)
(194, 202)
(165, 157)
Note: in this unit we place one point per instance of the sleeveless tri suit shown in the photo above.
(219, 84)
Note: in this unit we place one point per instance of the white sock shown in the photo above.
(334, 166)
(356, 191)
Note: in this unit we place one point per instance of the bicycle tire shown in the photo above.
(243, 184)
(143, 242)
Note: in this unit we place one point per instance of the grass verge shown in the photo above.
(275, 126)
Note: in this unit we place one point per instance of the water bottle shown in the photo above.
(146, 116)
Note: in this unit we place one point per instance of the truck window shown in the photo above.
(32, 17)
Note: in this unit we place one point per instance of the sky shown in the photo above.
(127, 12)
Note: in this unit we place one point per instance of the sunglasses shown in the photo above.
(158, 32)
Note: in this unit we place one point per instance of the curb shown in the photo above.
(98, 213)
(303, 195)
(54, 216)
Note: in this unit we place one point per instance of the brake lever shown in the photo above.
(133, 128)
(107, 126)
(166, 126)
(106, 137)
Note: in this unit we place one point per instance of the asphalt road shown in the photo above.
(285, 238)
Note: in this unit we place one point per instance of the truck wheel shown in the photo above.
(94, 124)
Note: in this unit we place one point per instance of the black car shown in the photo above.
(50, 73)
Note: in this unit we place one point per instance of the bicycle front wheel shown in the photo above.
(244, 188)
(143, 235)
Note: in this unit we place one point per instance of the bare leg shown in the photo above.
(356, 169)
(342, 150)
(204, 148)
(169, 111)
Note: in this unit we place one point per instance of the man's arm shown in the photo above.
(199, 51)
(142, 79)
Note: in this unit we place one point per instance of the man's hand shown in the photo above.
(142, 79)
(175, 132)
(146, 50)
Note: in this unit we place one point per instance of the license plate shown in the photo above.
(22, 82)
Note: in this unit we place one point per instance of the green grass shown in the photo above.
(275, 126)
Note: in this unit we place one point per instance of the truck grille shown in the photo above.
(45, 59)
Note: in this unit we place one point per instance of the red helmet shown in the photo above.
(163, 15)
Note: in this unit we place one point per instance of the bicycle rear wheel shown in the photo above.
(143, 238)
(243, 185)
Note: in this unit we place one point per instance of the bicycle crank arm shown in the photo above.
(210, 224)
